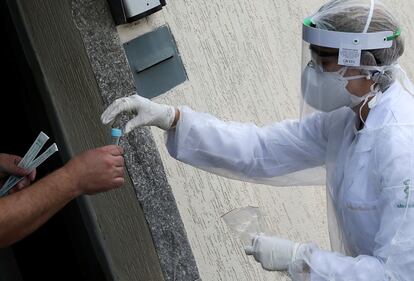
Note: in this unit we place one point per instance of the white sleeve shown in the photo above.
(393, 254)
(320, 265)
(245, 151)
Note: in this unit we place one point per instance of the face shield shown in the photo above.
(330, 60)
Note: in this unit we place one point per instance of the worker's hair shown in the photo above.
(352, 16)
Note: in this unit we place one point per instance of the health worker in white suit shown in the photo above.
(355, 134)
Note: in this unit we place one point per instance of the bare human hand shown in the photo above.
(9, 166)
(97, 170)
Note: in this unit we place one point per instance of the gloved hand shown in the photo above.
(148, 113)
(272, 252)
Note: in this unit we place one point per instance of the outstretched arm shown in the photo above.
(23, 212)
(235, 150)
(245, 151)
(88, 173)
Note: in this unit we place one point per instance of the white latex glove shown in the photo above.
(148, 113)
(272, 252)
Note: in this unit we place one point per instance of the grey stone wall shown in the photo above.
(114, 78)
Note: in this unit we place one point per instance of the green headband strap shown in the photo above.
(308, 22)
(395, 35)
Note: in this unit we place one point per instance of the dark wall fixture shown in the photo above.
(124, 11)
(155, 62)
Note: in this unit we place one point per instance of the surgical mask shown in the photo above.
(326, 91)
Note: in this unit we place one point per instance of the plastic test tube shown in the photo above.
(116, 135)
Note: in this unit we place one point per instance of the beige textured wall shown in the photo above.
(243, 64)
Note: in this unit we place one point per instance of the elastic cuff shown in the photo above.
(170, 112)
(173, 126)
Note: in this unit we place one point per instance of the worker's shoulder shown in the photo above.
(402, 108)
(393, 119)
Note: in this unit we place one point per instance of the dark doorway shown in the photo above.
(61, 249)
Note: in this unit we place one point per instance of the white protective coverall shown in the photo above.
(369, 177)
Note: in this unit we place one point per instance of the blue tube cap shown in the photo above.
(116, 132)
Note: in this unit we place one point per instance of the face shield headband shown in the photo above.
(349, 44)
